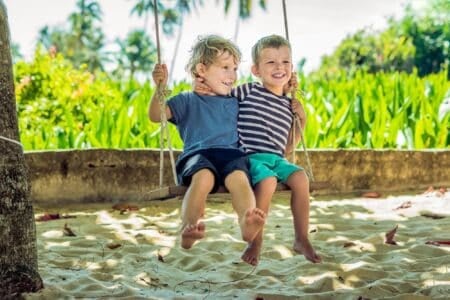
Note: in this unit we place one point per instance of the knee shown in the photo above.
(203, 177)
(298, 181)
(267, 185)
(237, 177)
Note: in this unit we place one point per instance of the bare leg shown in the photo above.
(193, 207)
(263, 192)
(251, 219)
(299, 184)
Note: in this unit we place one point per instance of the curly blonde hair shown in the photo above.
(207, 49)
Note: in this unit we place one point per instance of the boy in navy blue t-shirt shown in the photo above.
(208, 127)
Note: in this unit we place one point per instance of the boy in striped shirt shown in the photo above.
(264, 127)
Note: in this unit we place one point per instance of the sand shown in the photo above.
(136, 254)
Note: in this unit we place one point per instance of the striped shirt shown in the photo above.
(264, 119)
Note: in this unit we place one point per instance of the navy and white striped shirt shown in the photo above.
(264, 119)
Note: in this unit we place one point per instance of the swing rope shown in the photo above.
(296, 118)
(164, 129)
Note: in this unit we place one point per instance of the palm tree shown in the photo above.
(137, 53)
(245, 9)
(18, 251)
(172, 17)
(83, 41)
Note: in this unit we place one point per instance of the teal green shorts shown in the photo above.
(264, 165)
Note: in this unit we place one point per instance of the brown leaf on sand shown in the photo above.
(113, 245)
(431, 215)
(371, 195)
(439, 243)
(67, 231)
(123, 207)
(50, 217)
(406, 204)
(349, 244)
(390, 236)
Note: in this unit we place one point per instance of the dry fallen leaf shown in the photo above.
(50, 217)
(67, 231)
(406, 204)
(390, 236)
(123, 207)
(371, 195)
(432, 215)
(113, 245)
(349, 244)
(438, 243)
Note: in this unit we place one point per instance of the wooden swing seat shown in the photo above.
(177, 190)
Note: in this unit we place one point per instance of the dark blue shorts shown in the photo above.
(221, 162)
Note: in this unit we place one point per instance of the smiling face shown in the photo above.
(221, 75)
(274, 68)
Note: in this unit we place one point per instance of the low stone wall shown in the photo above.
(99, 175)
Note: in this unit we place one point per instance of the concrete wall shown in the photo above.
(62, 177)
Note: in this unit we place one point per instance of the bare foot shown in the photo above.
(251, 253)
(304, 247)
(191, 233)
(252, 223)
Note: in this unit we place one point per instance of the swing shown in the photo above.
(176, 190)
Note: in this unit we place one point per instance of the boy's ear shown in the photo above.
(200, 69)
(255, 70)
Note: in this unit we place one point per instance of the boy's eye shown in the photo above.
(286, 62)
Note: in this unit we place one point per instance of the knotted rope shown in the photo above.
(296, 118)
(164, 129)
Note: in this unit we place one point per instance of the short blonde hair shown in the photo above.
(270, 41)
(207, 49)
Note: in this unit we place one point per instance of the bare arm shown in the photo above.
(160, 75)
(299, 114)
(301, 117)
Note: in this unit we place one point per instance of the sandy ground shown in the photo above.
(136, 254)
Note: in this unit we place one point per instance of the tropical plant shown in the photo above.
(137, 54)
(245, 7)
(84, 40)
(61, 107)
(420, 40)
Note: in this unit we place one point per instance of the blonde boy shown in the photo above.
(207, 126)
(264, 126)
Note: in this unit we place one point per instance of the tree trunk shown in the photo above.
(18, 252)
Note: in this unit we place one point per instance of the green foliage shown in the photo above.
(382, 110)
(137, 55)
(420, 40)
(61, 108)
(430, 35)
(82, 42)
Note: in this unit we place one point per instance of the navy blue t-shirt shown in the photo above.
(205, 122)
